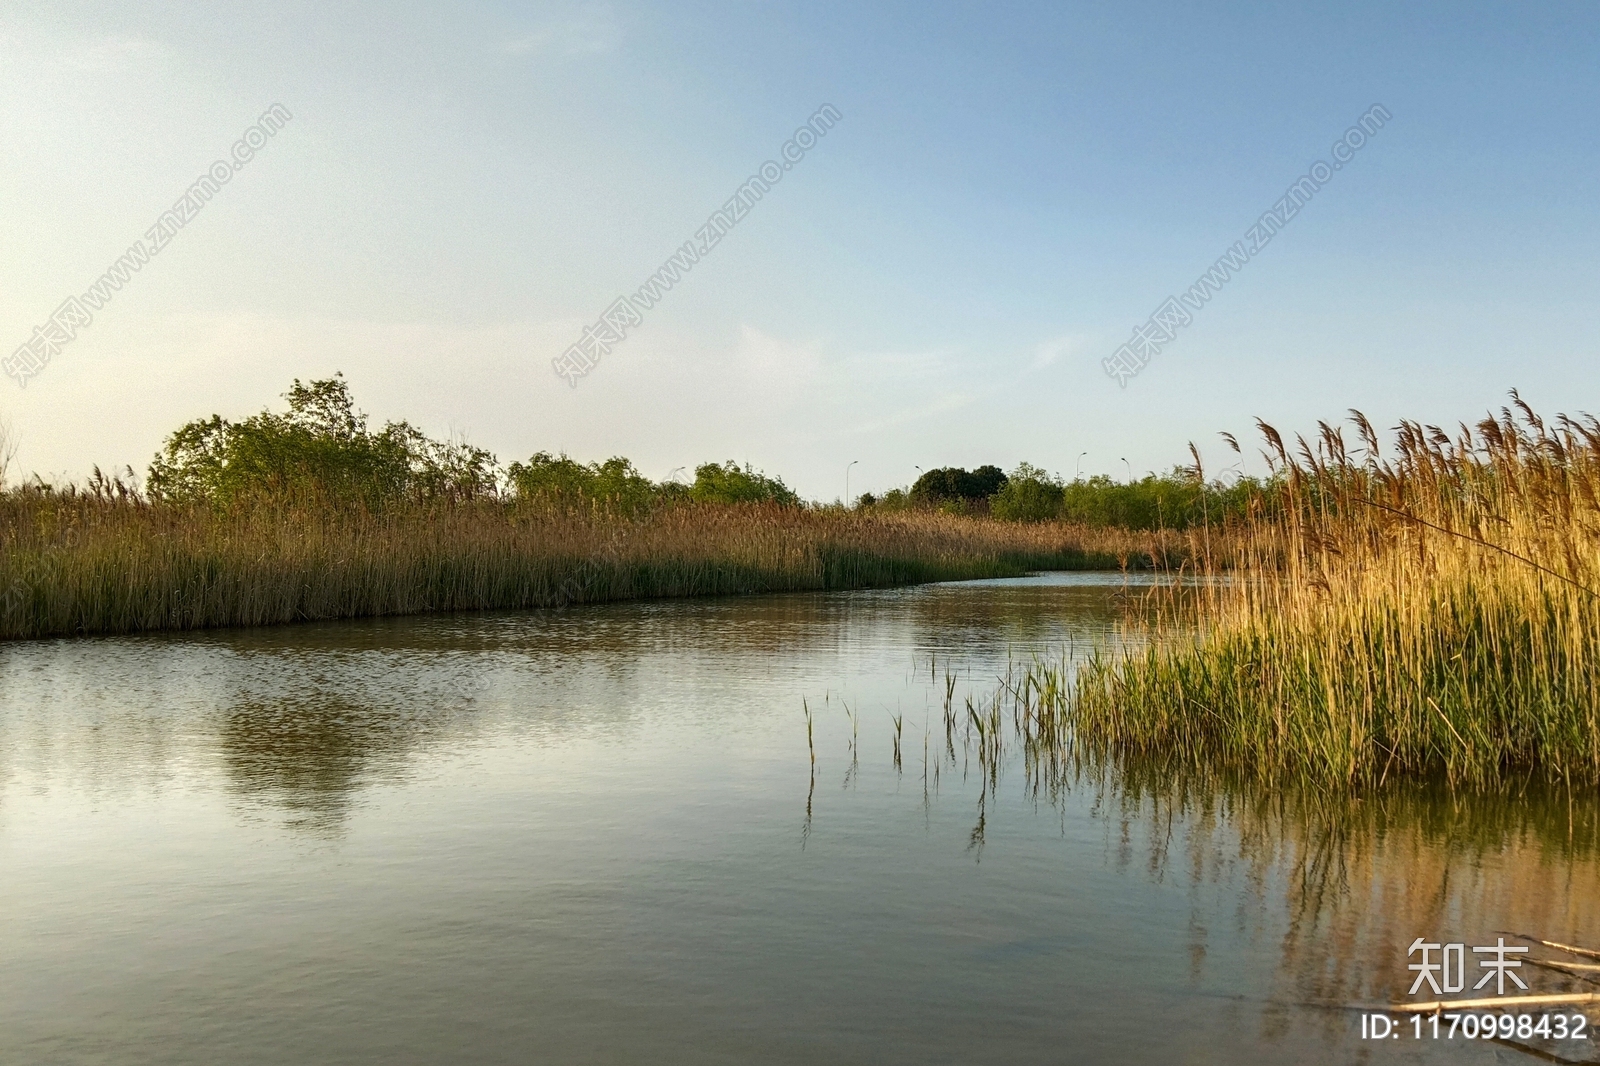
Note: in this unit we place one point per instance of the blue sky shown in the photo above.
(1011, 190)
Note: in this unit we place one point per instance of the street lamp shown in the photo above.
(1130, 470)
(848, 465)
(1078, 470)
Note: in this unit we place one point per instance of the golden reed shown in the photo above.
(1435, 612)
(106, 560)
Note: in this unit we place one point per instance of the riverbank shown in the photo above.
(83, 562)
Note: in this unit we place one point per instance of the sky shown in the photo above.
(1011, 190)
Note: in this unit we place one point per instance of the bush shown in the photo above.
(1177, 500)
(1029, 495)
(954, 484)
(319, 449)
(730, 484)
(560, 482)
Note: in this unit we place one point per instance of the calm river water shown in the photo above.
(597, 836)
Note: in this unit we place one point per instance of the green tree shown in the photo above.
(319, 449)
(558, 481)
(1029, 495)
(954, 484)
(728, 483)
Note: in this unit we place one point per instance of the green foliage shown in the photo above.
(613, 485)
(1029, 495)
(957, 484)
(894, 500)
(320, 449)
(728, 483)
(1177, 500)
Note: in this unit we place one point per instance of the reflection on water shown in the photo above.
(1360, 878)
(1344, 882)
(784, 829)
(312, 755)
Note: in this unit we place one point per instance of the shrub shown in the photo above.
(613, 485)
(1029, 495)
(729, 483)
(954, 484)
(319, 449)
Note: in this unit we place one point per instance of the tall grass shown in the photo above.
(106, 560)
(1433, 612)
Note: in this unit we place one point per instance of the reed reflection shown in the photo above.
(1362, 875)
(1346, 880)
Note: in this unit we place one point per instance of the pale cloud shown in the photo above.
(777, 366)
(866, 391)
(101, 55)
(939, 405)
(533, 42)
(1054, 350)
(114, 55)
(587, 31)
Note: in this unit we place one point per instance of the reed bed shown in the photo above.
(1430, 613)
(107, 560)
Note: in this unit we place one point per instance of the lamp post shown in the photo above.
(1078, 469)
(847, 467)
(1130, 470)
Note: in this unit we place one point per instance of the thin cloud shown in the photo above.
(589, 31)
(1054, 350)
(102, 55)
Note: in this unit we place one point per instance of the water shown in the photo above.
(596, 836)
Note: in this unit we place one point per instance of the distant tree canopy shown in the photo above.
(728, 483)
(612, 485)
(1029, 495)
(319, 449)
(953, 483)
(1176, 500)
(322, 450)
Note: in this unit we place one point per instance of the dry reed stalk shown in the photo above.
(1500, 1003)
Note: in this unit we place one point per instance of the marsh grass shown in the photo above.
(1432, 613)
(104, 559)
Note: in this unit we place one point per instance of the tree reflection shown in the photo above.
(312, 756)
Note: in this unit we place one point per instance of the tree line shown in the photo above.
(1178, 499)
(323, 450)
